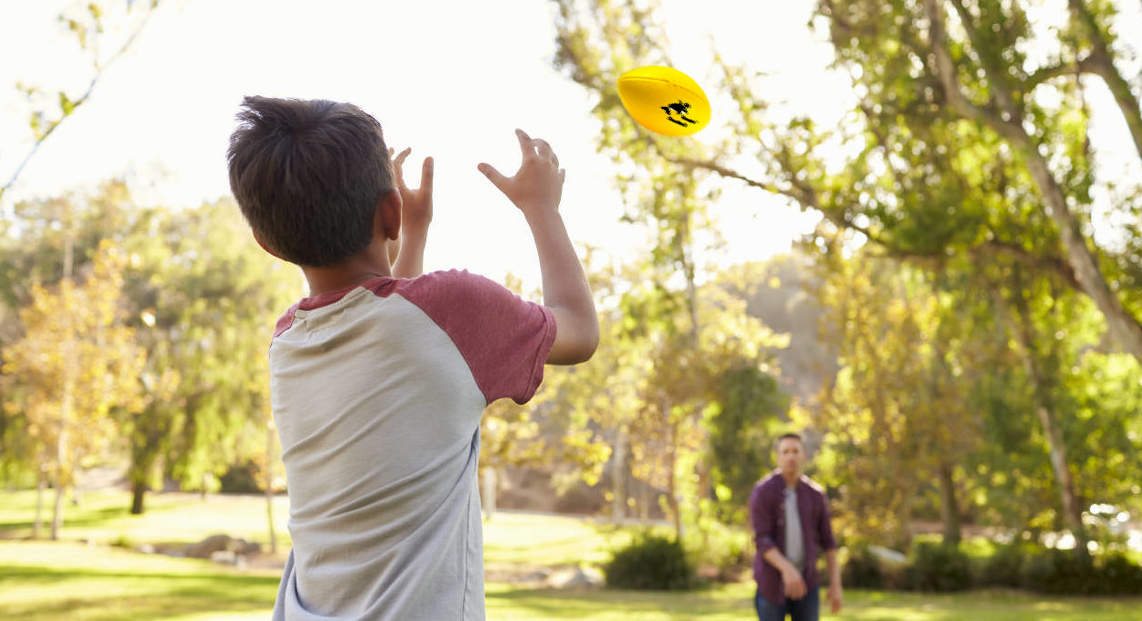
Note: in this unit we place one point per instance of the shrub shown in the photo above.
(651, 562)
(1120, 575)
(1062, 572)
(938, 567)
(723, 548)
(1005, 567)
(862, 571)
(242, 479)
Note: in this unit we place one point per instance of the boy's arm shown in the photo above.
(416, 215)
(536, 189)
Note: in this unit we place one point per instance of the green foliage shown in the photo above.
(862, 570)
(938, 568)
(651, 562)
(245, 478)
(749, 405)
(712, 544)
(1064, 572)
(1005, 566)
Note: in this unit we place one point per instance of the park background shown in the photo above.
(911, 230)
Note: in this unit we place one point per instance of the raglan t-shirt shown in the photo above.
(377, 395)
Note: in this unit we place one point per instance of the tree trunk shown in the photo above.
(41, 485)
(138, 493)
(1121, 323)
(619, 477)
(61, 462)
(489, 492)
(1057, 449)
(671, 468)
(949, 507)
(270, 487)
(57, 514)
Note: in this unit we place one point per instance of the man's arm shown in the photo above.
(829, 542)
(835, 594)
(536, 189)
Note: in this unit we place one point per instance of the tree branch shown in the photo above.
(957, 101)
(995, 77)
(100, 68)
(1101, 62)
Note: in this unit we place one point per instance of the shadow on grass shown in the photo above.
(14, 577)
(81, 518)
(167, 594)
(586, 604)
(157, 607)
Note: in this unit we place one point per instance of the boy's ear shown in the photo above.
(386, 222)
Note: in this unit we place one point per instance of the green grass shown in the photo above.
(42, 581)
(104, 517)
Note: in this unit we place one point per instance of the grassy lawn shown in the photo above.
(41, 581)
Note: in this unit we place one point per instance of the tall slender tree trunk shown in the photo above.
(61, 459)
(619, 477)
(1056, 447)
(489, 491)
(949, 507)
(41, 485)
(672, 468)
(68, 397)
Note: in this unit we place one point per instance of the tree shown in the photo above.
(960, 144)
(922, 87)
(897, 415)
(77, 363)
(89, 25)
(206, 299)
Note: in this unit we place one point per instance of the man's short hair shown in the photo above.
(308, 175)
(789, 436)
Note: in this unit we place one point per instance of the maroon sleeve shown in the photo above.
(761, 517)
(828, 541)
(504, 339)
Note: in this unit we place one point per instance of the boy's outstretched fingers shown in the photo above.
(496, 177)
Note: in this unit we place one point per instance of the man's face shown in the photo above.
(790, 456)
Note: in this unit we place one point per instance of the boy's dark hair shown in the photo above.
(308, 175)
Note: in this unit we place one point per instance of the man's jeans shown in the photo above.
(804, 609)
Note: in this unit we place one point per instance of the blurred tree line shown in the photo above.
(956, 340)
(988, 341)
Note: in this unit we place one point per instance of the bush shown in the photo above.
(1005, 567)
(714, 546)
(1062, 572)
(938, 567)
(862, 571)
(1120, 575)
(651, 562)
(242, 479)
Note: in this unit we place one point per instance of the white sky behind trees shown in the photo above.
(450, 78)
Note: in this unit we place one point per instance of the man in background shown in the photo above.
(790, 517)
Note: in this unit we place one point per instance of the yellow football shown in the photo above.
(664, 100)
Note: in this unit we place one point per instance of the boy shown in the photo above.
(380, 376)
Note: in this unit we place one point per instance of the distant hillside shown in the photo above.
(778, 293)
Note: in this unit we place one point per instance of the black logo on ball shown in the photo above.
(681, 108)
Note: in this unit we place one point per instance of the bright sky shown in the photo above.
(450, 78)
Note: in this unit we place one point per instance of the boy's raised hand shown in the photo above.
(416, 214)
(538, 184)
(407, 254)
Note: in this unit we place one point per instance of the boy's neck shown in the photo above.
(358, 269)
